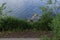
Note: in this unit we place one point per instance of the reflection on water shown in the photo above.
(24, 8)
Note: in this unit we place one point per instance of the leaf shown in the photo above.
(49, 1)
(43, 8)
(3, 6)
(55, 2)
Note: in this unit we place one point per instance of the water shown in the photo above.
(24, 8)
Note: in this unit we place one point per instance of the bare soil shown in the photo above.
(24, 34)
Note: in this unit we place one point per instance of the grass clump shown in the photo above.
(11, 23)
(55, 26)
